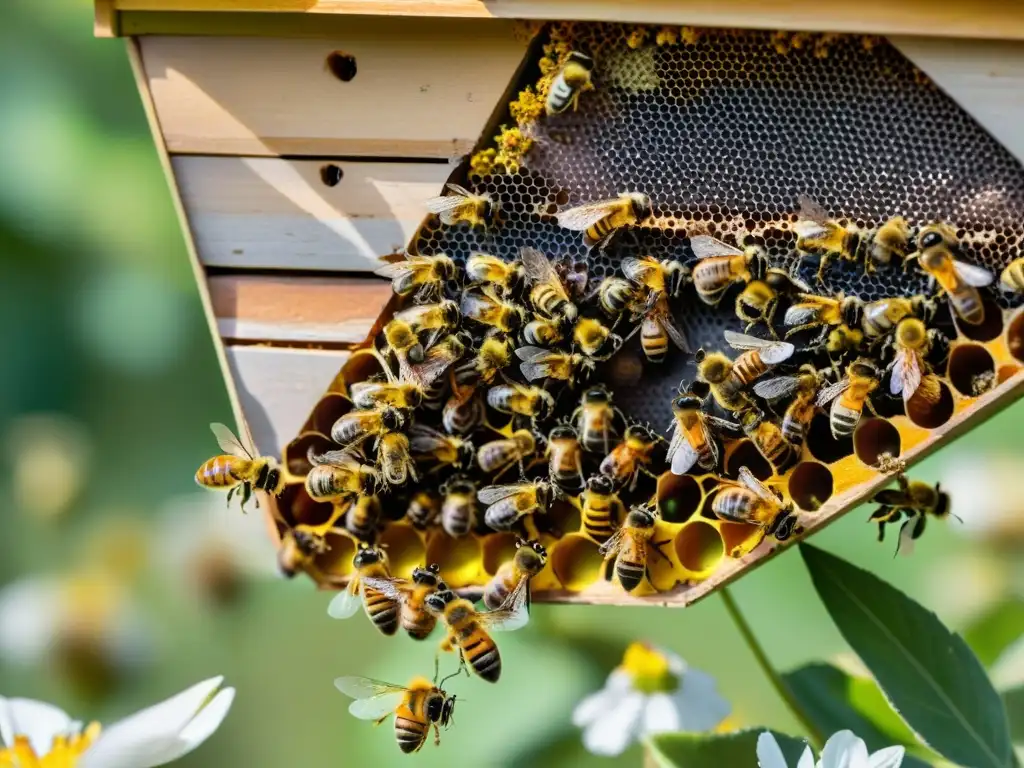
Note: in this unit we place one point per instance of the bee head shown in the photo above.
(562, 432)
(930, 238)
(391, 418)
(465, 453)
(531, 556)
(641, 205)
(783, 525)
(367, 556)
(640, 517)
(639, 433)
(459, 484)
(437, 601)
(911, 332)
(851, 309)
(427, 576)
(863, 368)
(601, 484)
(714, 368)
(415, 353)
(597, 396)
(447, 710)
(686, 401)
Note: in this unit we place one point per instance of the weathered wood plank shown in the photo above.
(258, 212)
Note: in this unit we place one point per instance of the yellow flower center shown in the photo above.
(649, 669)
(64, 751)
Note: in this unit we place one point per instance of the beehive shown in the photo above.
(672, 107)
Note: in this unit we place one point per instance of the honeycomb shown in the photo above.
(725, 130)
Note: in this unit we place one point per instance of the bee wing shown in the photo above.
(613, 544)
(684, 457)
(810, 210)
(809, 229)
(771, 352)
(892, 497)
(397, 269)
(799, 314)
(777, 388)
(832, 391)
(979, 277)
(747, 478)
(495, 493)
(427, 372)
(531, 354)
(587, 215)
(338, 457)
(373, 698)
(534, 371)
(508, 618)
(393, 589)
(705, 246)
(665, 319)
(447, 204)
(424, 439)
(229, 443)
(345, 604)
(634, 268)
(906, 374)
(458, 189)
(540, 270)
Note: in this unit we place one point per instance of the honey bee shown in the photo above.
(532, 402)
(440, 318)
(403, 395)
(591, 337)
(849, 395)
(401, 341)
(543, 332)
(416, 707)
(825, 312)
(369, 563)
(469, 630)
(515, 574)
(694, 439)
(751, 501)
(769, 440)
(961, 281)
(393, 460)
(239, 469)
(818, 235)
(657, 328)
(541, 363)
(572, 80)
(458, 507)
(595, 420)
(720, 266)
(464, 411)
(630, 546)
(910, 371)
(411, 596)
(362, 517)
(617, 295)
(548, 295)
(507, 504)
(497, 456)
(298, 548)
(438, 450)
(338, 476)
(1012, 277)
(759, 299)
(436, 361)
(728, 379)
(507, 276)
(599, 220)
(421, 275)
(494, 355)
(662, 278)
(355, 426)
(803, 388)
(630, 457)
(486, 308)
(424, 508)
(879, 317)
(914, 500)
(463, 205)
(565, 458)
(600, 508)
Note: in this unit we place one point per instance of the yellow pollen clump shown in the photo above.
(64, 752)
(649, 669)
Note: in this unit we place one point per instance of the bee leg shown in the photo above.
(380, 720)
(870, 406)
(881, 531)
(657, 547)
(822, 266)
(246, 493)
(231, 492)
(437, 736)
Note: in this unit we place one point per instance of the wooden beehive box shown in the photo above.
(302, 138)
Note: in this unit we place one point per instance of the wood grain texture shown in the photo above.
(258, 212)
(296, 310)
(998, 19)
(417, 93)
(278, 388)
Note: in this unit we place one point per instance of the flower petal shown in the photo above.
(844, 750)
(806, 759)
(37, 720)
(769, 753)
(29, 613)
(617, 685)
(700, 705)
(613, 731)
(202, 727)
(890, 757)
(660, 714)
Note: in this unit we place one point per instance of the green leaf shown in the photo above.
(1013, 699)
(715, 750)
(834, 701)
(928, 673)
(994, 630)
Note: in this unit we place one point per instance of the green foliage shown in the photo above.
(715, 750)
(1013, 700)
(928, 673)
(994, 630)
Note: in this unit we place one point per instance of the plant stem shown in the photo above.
(815, 737)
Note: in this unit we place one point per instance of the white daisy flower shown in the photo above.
(843, 750)
(985, 498)
(652, 691)
(37, 734)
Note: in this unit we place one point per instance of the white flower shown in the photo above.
(652, 691)
(843, 750)
(41, 735)
(984, 497)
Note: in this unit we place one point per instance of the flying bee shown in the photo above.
(565, 458)
(849, 395)
(593, 337)
(404, 395)
(411, 596)
(400, 340)
(421, 275)
(416, 707)
(393, 460)
(601, 510)
(515, 574)
(662, 278)
(910, 370)
(879, 317)
(572, 80)
(630, 457)
(543, 332)
(436, 361)
(424, 508)
(298, 548)
(548, 295)
(382, 610)
(599, 220)
(533, 402)
(338, 475)
(631, 544)
(458, 506)
(438, 450)
(463, 205)
(239, 469)
(759, 299)
(439, 318)
(617, 296)
(362, 517)
(936, 244)
(498, 456)
(804, 389)
(720, 266)
(914, 500)
(1011, 279)
(464, 411)
(768, 438)
(508, 276)
(728, 379)
(469, 630)
(657, 328)
(486, 308)
(694, 437)
(595, 420)
(751, 501)
(539, 363)
(825, 312)
(355, 426)
(507, 504)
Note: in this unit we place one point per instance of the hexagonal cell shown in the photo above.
(576, 562)
(1015, 336)
(302, 509)
(679, 497)
(337, 560)
(459, 558)
(739, 538)
(699, 547)
(821, 443)
(931, 414)
(810, 485)
(745, 454)
(296, 453)
(330, 408)
(1006, 372)
(404, 547)
(972, 371)
(874, 438)
(561, 518)
(497, 548)
(987, 329)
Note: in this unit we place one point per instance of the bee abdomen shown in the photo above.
(793, 430)
(495, 593)
(323, 484)
(494, 456)
(630, 574)
(598, 524)
(457, 519)
(410, 734)
(216, 473)
(968, 305)
(559, 95)
(654, 341)
(843, 420)
(501, 516)
(748, 367)
(417, 623)
(731, 504)
(483, 656)
(382, 610)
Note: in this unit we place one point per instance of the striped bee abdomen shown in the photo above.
(410, 734)
(382, 610)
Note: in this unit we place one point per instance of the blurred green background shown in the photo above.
(108, 383)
